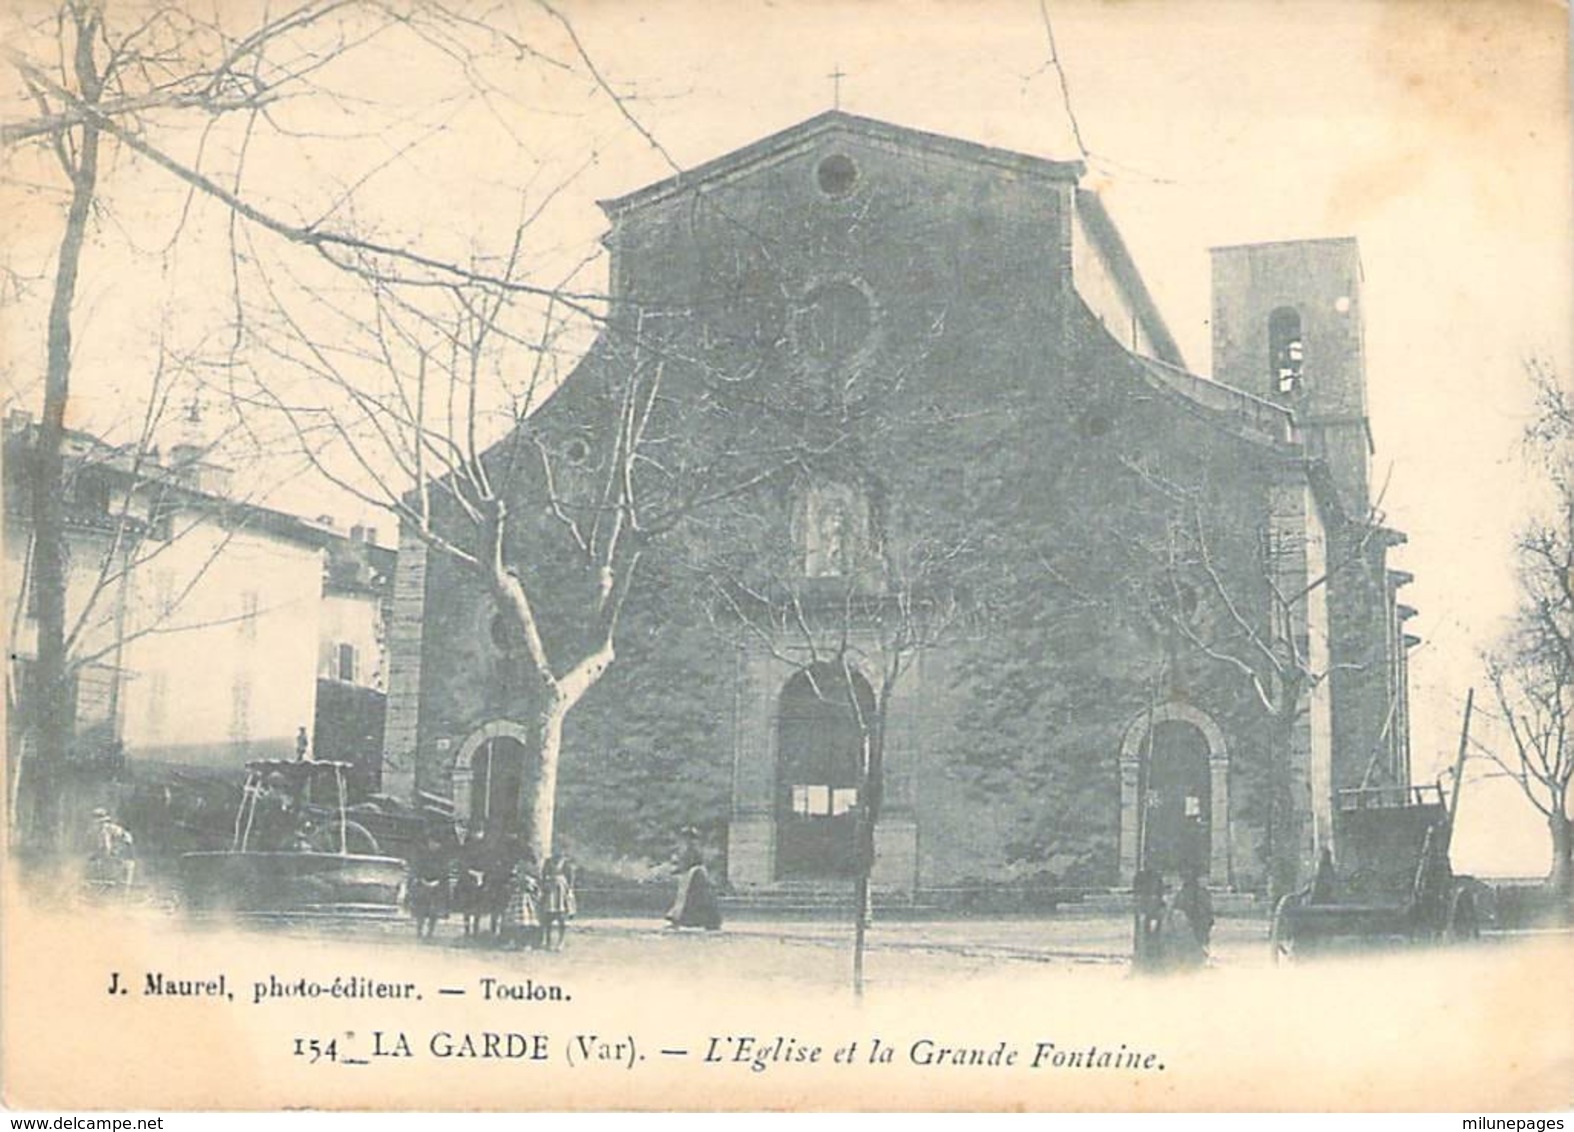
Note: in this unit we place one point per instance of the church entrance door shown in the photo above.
(498, 776)
(819, 750)
(1179, 821)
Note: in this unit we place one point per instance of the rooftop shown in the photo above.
(799, 137)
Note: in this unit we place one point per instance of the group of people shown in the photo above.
(1172, 931)
(497, 887)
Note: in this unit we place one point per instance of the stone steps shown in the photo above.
(1117, 901)
(835, 901)
(970, 901)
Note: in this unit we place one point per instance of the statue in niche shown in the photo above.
(831, 531)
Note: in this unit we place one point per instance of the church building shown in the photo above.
(1092, 610)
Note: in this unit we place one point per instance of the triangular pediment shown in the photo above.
(813, 131)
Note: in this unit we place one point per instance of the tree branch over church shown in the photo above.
(1254, 596)
(848, 609)
(452, 410)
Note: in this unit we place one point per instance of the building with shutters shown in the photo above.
(202, 630)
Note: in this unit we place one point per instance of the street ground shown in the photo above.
(814, 948)
(818, 953)
(1469, 1028)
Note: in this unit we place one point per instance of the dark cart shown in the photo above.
(1395, 885)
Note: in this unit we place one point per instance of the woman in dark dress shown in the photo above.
(428, 893)
(1148, 892)
(696, 905)
(498, 883)
(1188, 928)
(470, 881)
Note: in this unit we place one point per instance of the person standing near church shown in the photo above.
(695, 905)
(1147, 894)
(1190, 926)
(470, 879)
(112, 858)
(522, 923)
(428, 891)
(556, 897)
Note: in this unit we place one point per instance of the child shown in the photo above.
(524, 906)
(556, 897)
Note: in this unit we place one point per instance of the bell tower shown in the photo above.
(1287, 327)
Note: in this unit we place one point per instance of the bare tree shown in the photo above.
(848, 557)
(861, 601)
(187, 91)
(1228, 577)
(450, 410)
(130, 506)
(1532, 671)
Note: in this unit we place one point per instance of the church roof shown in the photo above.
(1255, 415)
(806, 133)
(1102, 228)
(1263, 419)
(797, 138)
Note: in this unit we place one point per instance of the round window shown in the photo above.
(837, 175)
(836, 321)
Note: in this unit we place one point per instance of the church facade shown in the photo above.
(1086, 609)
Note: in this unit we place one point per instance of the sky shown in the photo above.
(1435, 133)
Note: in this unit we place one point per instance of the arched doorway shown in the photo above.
(1179, 804)
(820, 730)
(1175, 794)
(489, 777)
(497, 776)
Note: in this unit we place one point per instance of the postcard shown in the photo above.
(788, 556)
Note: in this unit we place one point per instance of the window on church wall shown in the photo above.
(90, 494)
(823, 801)
(1286, 352)
(836, 175)
(834, 322)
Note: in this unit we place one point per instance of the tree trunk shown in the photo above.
(1284, 826)
(53, 712)
(538, 793)
(871, 795)
(1561, 878)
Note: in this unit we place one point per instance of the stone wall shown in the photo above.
(911, 338)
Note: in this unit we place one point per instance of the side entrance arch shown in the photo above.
(489, 777)
(1174, 811)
